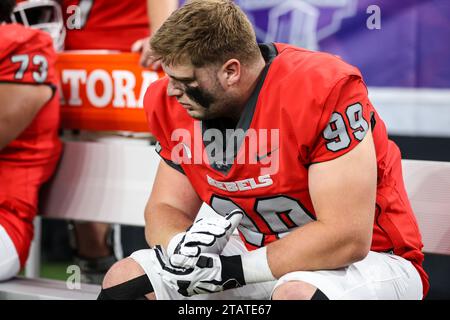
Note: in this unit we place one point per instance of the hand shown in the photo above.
(207, 235)
(210, 273)
(147, 59)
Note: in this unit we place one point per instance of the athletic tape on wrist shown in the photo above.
(256, 267)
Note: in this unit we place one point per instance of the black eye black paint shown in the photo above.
(200, 96)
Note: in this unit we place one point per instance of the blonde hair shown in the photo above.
(205, 32)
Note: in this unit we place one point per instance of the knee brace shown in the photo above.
(134, 289)
(319, 295)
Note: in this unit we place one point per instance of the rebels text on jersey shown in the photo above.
(308, 107)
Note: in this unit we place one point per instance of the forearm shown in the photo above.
(11, 128)
(158, 11)
(6, 136)
(316, 246)
(20, 105)
(163, 222)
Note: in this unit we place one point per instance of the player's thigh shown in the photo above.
(15, 220)
(378, 276)
(259, 291)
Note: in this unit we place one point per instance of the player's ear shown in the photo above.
(230, 72)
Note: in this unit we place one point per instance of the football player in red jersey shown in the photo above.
(29, 144)
(321, 208)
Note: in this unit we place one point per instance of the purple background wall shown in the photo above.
(412, 48)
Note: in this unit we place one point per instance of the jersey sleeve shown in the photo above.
(155, 104)
(154, 101)
(29, 59)
(344, 121)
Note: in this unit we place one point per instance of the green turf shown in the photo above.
(53, 270)
(56, 271)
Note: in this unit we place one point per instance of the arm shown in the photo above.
(19, 105)
(158, 11)
(343, 193)
(172, 206)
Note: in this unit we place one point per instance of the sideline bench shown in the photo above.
(111, 183)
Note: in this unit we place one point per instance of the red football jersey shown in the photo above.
(105, 24)
(27, 56)
(308, 107)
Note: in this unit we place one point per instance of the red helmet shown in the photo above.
(45, 15)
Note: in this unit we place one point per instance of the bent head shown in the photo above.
(205, 47)
(206, 92)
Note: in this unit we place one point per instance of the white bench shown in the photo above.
(428, 187)
(111, 183)
(21, 288)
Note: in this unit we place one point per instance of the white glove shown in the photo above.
(211, 273)
(206, 235)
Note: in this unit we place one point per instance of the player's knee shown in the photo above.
(9, 264)
(9, 259)
(126, 280)
(122, 271)
(294, 290)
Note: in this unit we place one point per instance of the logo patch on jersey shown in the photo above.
(263, 156)
(187, 150)
(241, 185)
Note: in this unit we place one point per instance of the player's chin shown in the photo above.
(197, 114)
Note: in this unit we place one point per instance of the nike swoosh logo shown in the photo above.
(259, 158)
(187, 150)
